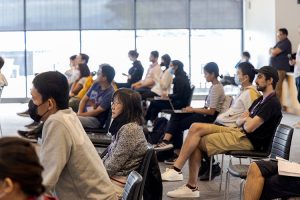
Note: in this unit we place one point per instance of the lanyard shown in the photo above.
(260, 103)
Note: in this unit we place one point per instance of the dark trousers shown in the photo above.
(123, 85)
(155, 107)
(277, 186)
(182, 121)
(298, 87)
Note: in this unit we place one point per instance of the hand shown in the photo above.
(164, 95)
(292, 62)
(188, 109)
(245, 114)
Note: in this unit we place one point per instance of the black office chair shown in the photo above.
(280, 147)
(132, 186)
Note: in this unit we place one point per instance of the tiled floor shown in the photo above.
(10, 123)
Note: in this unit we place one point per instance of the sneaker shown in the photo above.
(28, 135)
(32, 125)
(184, 192)
(172, 160)
(216, 171)
(171, 175)
(24, 114)
(163, 146)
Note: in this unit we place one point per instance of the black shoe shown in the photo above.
(216, 171)
(29, 135)
(32, 125)
(24, 114)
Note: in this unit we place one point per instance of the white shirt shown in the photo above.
(297, 64)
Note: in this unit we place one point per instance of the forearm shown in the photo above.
(205, 111)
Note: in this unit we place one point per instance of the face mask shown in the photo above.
(237, 80)
(33, 113)
(172, 71)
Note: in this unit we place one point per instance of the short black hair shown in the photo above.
(246, 54)
(84, 57)
(270, 72)
(73, 57)
(108, 71)
(284, 31)
(167, 60)
(1, 62)
(248, 69)
(53, 84)
(133, 53)
(155, 54)
(212, 67)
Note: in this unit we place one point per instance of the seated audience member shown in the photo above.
(69, 72)
(72, 166)
(264, 182)
(152, 76)
(129, 145)
(179, 97)
(182, 121)
(135, 73)
(3, 81)
(163, 85)
(255, 130)
(80, 59)
(95, 105)
(84, 72)
(74, 101)
(21, 171)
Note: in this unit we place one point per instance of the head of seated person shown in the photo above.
(20, 174)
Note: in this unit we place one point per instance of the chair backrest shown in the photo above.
(227, 103)
(132, 186)
(282, 142)
(191, 95)
(143, 169)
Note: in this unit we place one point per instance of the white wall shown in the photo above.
(259, 26)
(288, 16)
(262, 20)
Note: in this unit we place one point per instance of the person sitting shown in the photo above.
(21, 171)
(129, 145)
(69, 73)
(84, 72)
(152, 76)
(135, 73)
(181, 90)
(3, 81)
(95, 105)
(255, 130)
(72, 166)
(264, 182)
(182, 121)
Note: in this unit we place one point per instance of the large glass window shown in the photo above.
(11, 15)
(172, 42)
(50, 50)
(12, 50)
(108, 47)
(220, 46)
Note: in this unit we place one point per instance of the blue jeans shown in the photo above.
(297, 80)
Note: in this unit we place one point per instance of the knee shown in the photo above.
(254, 171)
(196, 128)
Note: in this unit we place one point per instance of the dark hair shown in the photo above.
(270, 72)
(133, 53)
(155, 54)
(84, 70)
(1, 62)
(108, 71)
(54, 85)
(132, 105)
(212, 67)
(248, 69)
(84, 57)
(284, 31)
(73, 57)
(20, 163)
(167, 60)
(246, 54)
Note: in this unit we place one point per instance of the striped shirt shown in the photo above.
(215, 97)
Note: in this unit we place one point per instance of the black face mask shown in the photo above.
(33, 113)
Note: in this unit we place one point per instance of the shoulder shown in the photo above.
(131, 126)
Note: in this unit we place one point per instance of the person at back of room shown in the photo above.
(135, 73)
(3, 81)
(72, 166)
(129, 145)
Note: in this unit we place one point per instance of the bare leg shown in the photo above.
(254, 183)
(196, 131)
(194, 165)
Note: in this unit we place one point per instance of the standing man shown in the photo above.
(279, 58)
(296, 63)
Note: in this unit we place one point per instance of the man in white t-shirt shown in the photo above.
(296, 63)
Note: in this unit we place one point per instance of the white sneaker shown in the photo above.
(171, 175)
(184, 192)
(163, 148)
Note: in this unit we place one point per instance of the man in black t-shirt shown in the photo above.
(256, 130)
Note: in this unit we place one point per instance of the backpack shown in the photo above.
(158, 131)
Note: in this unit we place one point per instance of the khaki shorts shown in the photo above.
(223, 139)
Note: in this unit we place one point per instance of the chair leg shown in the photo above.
(227, 184)
(241, 188)
(210, 167)
(221, 178)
